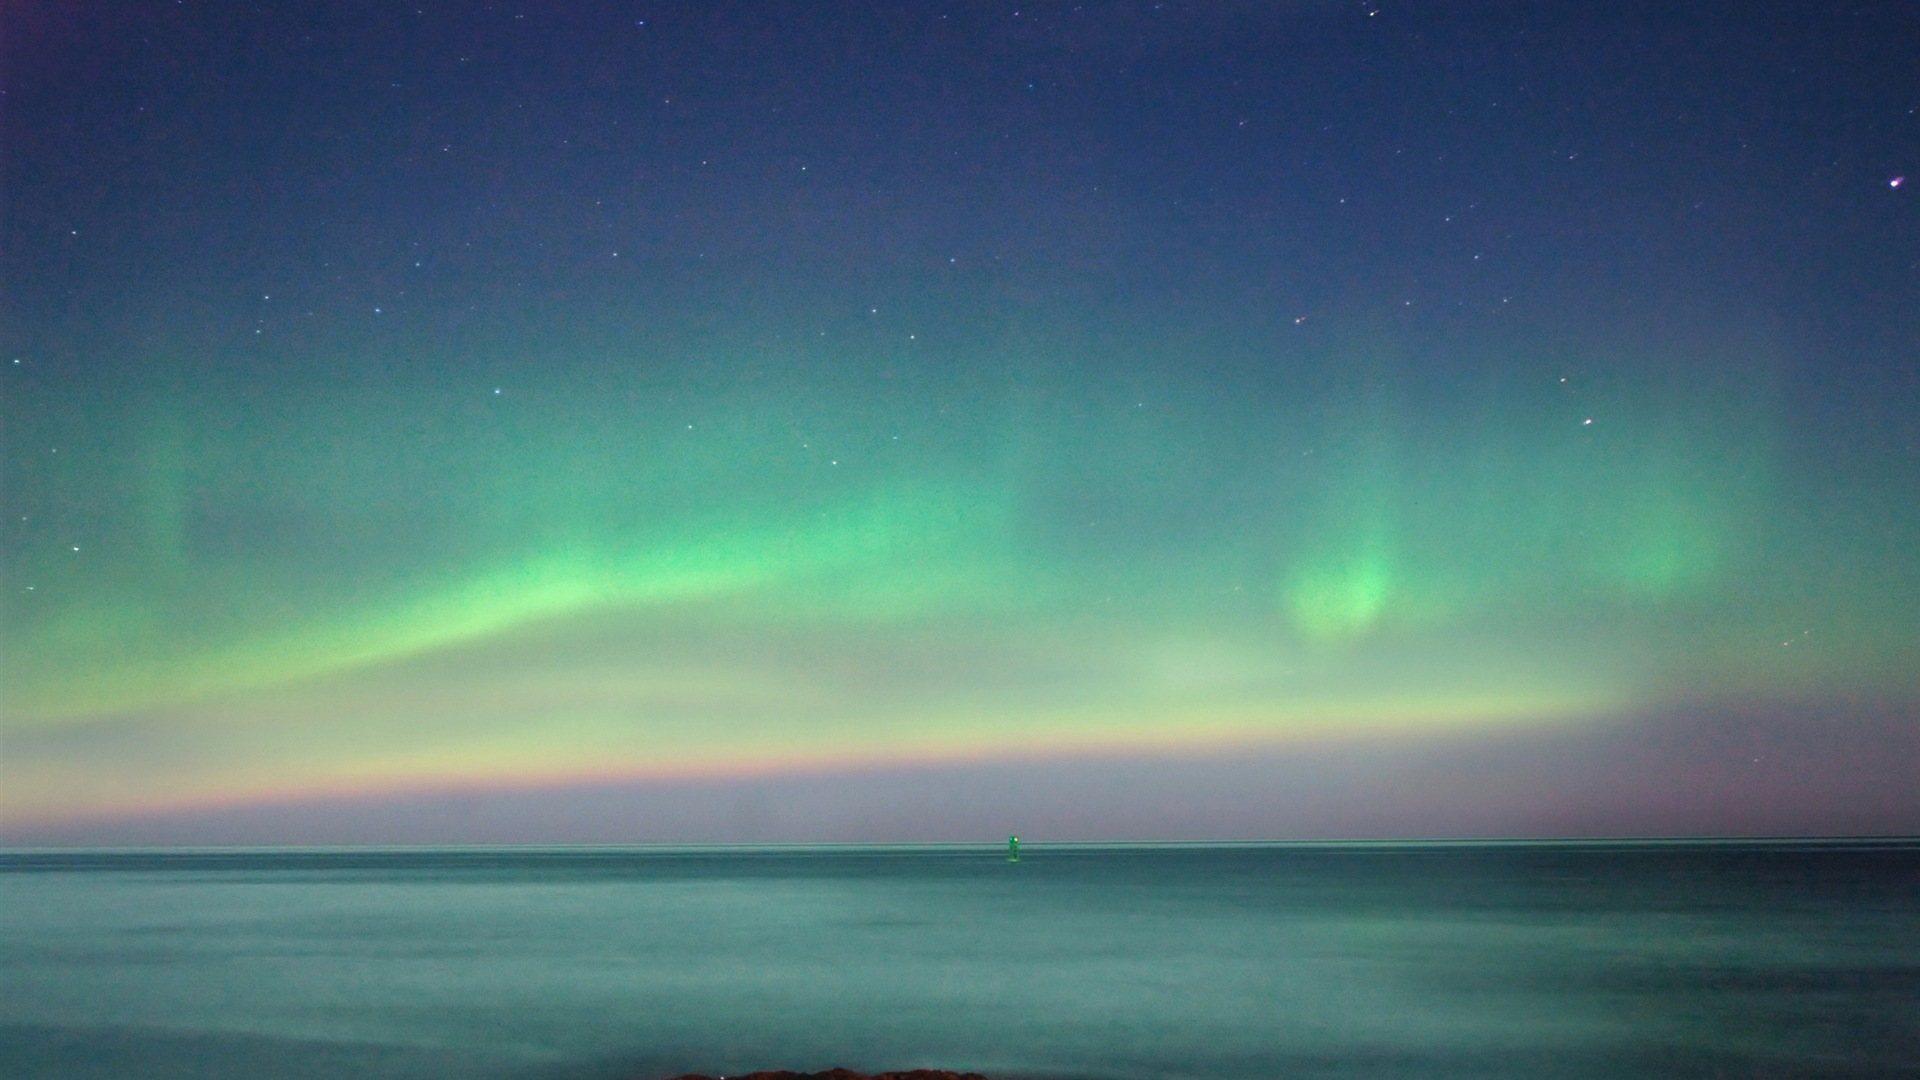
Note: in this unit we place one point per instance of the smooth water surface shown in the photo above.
(1490, 960)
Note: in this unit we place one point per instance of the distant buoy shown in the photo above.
(1013, 849)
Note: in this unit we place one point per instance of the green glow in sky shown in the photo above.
(601, 570)
(482, 398)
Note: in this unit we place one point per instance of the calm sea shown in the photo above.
(1488, 960)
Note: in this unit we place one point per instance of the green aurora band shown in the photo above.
(664, 554)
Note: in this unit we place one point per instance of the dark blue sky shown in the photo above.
(1317, 154)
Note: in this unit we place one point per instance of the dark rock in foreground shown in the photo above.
(841, 1074)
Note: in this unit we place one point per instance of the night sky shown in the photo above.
(928, 421)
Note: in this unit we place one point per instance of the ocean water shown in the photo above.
(1490, 960)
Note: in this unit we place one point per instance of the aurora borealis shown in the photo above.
(509, 402)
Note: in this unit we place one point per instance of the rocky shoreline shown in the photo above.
(840, 1074)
